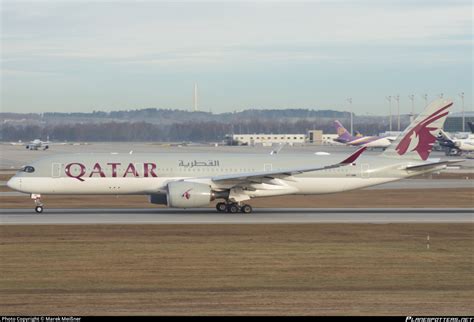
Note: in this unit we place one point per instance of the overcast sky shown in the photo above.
(108, 55)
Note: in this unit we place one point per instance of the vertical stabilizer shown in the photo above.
(343, 135)
(418, 138)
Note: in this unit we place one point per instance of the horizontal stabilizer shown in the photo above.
(433, 164)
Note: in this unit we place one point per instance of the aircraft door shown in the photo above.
(267, 167)
(56, 170)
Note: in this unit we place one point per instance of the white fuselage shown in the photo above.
(151, 173)
(466, 145)
(370, 142)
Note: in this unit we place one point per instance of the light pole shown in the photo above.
(425, 97)
(412, 115)
(195, 98)
(462, 100)
(389, 99)
(397, 98)
(350, 103)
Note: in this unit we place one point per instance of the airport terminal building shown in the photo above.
(266, 139)
(313, 137)
(453, 123)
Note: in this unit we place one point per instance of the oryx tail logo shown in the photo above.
(186, 194)
(420, 138)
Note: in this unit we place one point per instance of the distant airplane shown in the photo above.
(359, 140)
(188, 180)
(37, 144)
(454, 146)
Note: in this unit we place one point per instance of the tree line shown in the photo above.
(192, 131)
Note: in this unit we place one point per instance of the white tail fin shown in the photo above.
(418, 138)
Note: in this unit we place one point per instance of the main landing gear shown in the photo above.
(233, 207)
(38, 203)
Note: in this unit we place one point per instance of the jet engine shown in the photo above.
(182, 194)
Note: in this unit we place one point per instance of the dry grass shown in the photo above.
(237, 269)
(387, 198)
(6, 177)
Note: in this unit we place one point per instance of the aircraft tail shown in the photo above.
(343, 135)
(418, 138)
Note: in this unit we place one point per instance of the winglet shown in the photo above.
(354, 156)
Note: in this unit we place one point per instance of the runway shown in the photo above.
(260, 216)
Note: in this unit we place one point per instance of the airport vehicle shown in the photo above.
(359, 140)
(37, 144)
(454, 146)
(186, 180)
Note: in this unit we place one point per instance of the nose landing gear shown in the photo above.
(38, 203)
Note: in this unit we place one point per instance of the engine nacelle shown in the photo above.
(159, 199)
(182, 194)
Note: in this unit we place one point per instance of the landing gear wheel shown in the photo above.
(246, 209)
(233, 208)
(221, 206)
(39, 209)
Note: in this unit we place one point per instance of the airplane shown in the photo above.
(359, 140)
(36, 144)
(455, 146)
(187, 180)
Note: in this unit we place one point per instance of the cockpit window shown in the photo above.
(28, 169)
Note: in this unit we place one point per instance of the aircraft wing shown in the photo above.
(257, 176)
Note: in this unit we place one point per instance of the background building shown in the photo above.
(266, 139)
(454, 122)
(313, 137)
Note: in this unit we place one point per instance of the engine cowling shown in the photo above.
(182, 194)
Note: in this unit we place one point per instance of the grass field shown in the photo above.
(237, 269)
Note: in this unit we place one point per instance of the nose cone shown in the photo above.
(14, 183)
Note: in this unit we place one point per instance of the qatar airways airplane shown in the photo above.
(186, 180)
